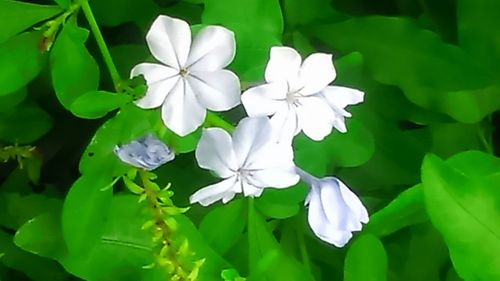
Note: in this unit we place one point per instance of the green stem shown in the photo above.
(486, 143)
(115, 76)
(251, 218)
(303, 250)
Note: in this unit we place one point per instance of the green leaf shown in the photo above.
(462, 196)
(69, 62)
(13, 124)
(257, 24)
(224, 225)
(366, 260)
(16, 16)
(85, 212)
(341, 150)
(16, 209)
(11, 100)
(97, 104)
(42, 235)
(20, 61)
(432, 74)
(34, 267)
(179, 144)
(406, 209)
(478, 32)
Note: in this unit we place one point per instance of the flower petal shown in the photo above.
(169, 41)
(251, 134)
(315, 117)
(316, 73)
(321, 225)
(218, 90)
(353, 202)
(250, 190)
(215, 152)
(275, 177)
(283, 65)
(264, 100)
(160, 80)
(181, 112)
(147, 152)
(339, 215)
(213, 48)
(215, 192)
(339, 97)
(285, 124)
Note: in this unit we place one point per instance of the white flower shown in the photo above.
(147, 153)
(248, 161)
(191, 77)
(298, 97)
(334, 210)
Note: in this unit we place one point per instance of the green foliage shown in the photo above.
(20, 61)
(366, 260)
(69, 62)
(14, 121)
(97, 104)
(462, 196)
(18, 16)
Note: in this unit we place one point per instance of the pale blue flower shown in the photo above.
(147, 153)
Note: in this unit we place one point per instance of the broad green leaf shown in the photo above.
(97, 104)
(15, 121)
(20, 61)
(34, 267)
(450, 138)
(85, 212)
(477, 30)
(70, 62)
(406, 209)
(257, 24)
(16, 209)
(281, 203)
(42, 235)
(427, 255)
(11, 100)
(340, 150)
(366, 260)
(179, 144)
(432, 74)
(17, 16)
(223, 225)
(462, 196)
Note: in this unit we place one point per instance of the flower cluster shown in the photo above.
(296, 97)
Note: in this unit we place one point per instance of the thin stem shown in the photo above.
(303, 250)
(115, 76)
(250, 219)
(486, 143)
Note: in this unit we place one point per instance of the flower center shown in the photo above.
(184, 72)
(293, 95)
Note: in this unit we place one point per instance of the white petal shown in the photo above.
(321, 225)
(284, 124)
(340, 97)
(275, 177)
(339, 124)
(218, 90)
(251, 134)
(160, 80)
(181, 112)
(213, 48)
(264, 100)
(169, 41)
(339, 215)
(315, 117)
(215, 152)
(316, 73)
(249, 190)
(283, 65)
(215, 192)
(353, 202)
(271, 155)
